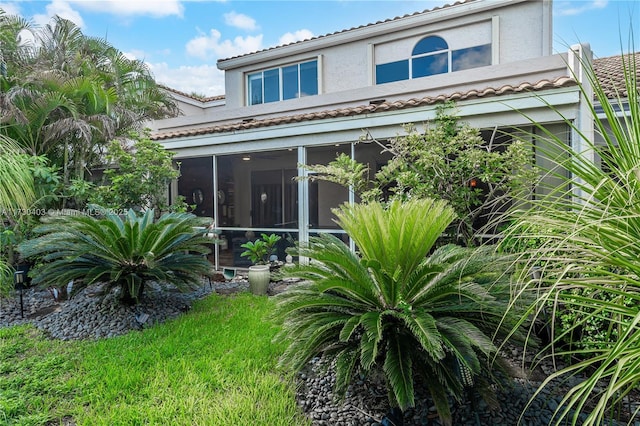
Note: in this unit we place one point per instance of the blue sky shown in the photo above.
(182, 40)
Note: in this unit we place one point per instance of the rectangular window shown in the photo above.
(424, 66)
(472, 57)
(272, 85)
(290, 88)
(392, 71)
(290, 82)
(255, 88)
(309, 78)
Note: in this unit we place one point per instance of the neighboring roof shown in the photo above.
(446, 6)
(610, 72)
(371, 108)
(193, 96)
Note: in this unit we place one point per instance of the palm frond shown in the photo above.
(17, 190)
(398, 371)
(346, 363)
(120, 252)
(389, 307)
(425, 330)
(399, 236)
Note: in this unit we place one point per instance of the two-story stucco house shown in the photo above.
(305, 102)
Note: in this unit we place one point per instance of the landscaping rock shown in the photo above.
(89, 315)
(366, 401)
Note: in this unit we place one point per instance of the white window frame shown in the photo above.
(280, 80)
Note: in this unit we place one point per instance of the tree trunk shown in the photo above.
(131, 292)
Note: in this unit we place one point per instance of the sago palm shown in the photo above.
(124, 253)
(589, 248)
(390, 308)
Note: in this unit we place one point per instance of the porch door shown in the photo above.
(274, 196)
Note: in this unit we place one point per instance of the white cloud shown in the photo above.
(135, 54)
(204, 80)
(65, 9)
(61, 8)
(212, 46)
(155, 8)
(11, 8)
(239, 20)
(296, 36)
(576, 8)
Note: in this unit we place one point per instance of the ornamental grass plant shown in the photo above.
(588, 252)
(17, 193)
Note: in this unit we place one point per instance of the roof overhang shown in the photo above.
(505, 111)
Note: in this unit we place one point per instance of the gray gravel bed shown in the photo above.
(366, 401)
(90, 315)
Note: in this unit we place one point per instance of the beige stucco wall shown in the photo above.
(496, 76)
(521, 32)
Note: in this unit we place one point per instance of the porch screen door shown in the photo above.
(274, 196)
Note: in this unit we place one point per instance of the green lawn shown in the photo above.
(215, 365)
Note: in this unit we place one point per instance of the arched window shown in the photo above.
(429, 44)
(430, 56)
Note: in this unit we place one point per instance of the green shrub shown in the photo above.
(589, 226)
(585, 326)
(449, 161)
(390, 309)
(139, 176)
(123, 253)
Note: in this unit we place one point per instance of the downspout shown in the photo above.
(580, 60)
(303, 201)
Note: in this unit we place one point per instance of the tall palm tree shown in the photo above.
(13, 46)
(392, 309)
(62, 118)
(68, 95)
(588, 247)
